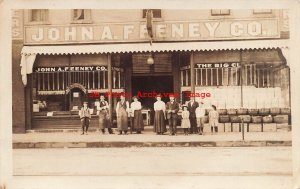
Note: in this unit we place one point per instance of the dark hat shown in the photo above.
(184, 106)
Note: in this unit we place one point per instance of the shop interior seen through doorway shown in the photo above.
(149, 84)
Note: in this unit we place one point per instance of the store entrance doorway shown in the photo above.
(151, 84)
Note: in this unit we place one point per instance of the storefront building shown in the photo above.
(230, 58)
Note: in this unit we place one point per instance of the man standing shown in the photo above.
(172, 109)
(85, 116)
(192, 105)
(103, 112)
(122, 115)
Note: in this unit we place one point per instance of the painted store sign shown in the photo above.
(163, 31)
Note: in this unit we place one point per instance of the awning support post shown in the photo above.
(109, 85)
(192, 74)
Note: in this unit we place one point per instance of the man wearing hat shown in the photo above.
(85, 116)
(172, 109)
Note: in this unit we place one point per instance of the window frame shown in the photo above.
(32, 22)
(212, 13)
(87, 17)
(155, 18)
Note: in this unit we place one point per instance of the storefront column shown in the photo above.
(109, 75)
(28, 103)
(127, 60)
(176, 74)
(192, 73)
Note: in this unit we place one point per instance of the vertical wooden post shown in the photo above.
(241, 78)
(127, 61)
(109, 85)
(176, 75)
(28, 102)
(192, 73)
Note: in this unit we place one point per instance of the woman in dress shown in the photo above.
(213, 119)
(122, 119)
(185, 122)
(136, 107)
(159, 117)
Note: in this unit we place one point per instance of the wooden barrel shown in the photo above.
(285, 111)
(281, 119)
(235, 119)
(246, 118)
(267, 119)
(242, 111)
(224, 119)
(252, 112)
(264, 111)
(256, 119)
(222, 111)
(274, 111)
(231, 111)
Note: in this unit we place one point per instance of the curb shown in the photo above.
(41, 145)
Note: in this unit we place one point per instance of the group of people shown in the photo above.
(124, 113)
(193, 115)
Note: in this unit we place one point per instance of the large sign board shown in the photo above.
(163, 31)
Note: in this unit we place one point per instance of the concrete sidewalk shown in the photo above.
(149, 139)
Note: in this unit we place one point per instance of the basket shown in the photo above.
(267, 119)
(285, 111)
(231, 111)
(275, 111)
(246, 118)
(252, 112)
(281, 119)
(224, 119)
(256, 119)
(222, 111)
(242, 111)
(235, 119)
(264, 111)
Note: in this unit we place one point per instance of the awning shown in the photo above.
(156, 47)
(29, 52)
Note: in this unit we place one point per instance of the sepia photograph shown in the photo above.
(151, 97)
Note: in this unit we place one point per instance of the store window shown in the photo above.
(156, 13)
(252, 75)
(220, 12)
(51, 84)
(262, 11)
(81, 16)
(38, 15)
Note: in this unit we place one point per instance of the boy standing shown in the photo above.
(85, 116)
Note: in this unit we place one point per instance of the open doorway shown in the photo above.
(148, 84)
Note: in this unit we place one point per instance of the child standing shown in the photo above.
(200, 114)
(213, 119)
(185, 122)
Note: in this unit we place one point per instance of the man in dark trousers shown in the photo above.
(192, 106)
(172, 109)
(85, 116)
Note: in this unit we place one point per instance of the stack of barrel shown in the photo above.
(255, 116)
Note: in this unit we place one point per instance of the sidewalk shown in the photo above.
(150, 139)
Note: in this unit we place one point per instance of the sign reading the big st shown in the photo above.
(163, 31)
